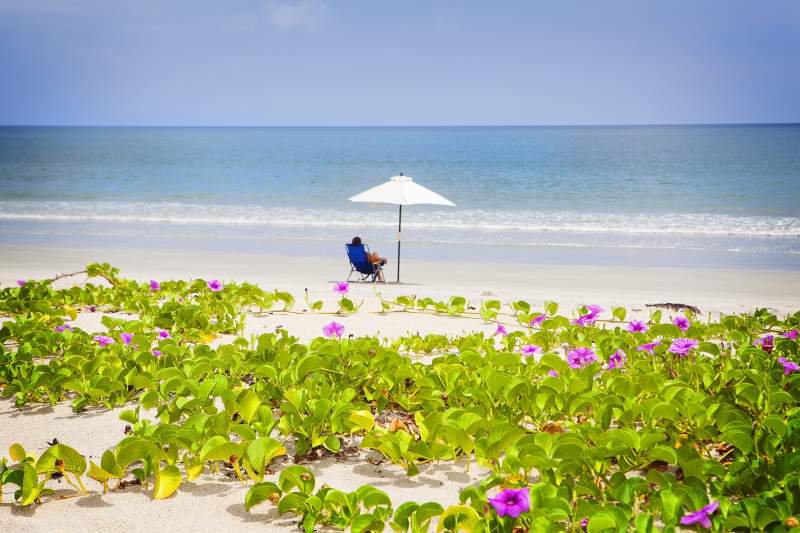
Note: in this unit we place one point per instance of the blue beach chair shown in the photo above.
(358, 254)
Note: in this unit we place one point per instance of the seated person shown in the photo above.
(372, 257)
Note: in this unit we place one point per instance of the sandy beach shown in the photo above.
(212, 503)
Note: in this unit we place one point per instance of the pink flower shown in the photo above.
(126, 338)
(529, 350)
(648, 347)
(103, 340)
(341, 288)
(552, 373)
(21, 282)
(163, 334)
(617, 360)
(156, 353)
(682, 322)
(538, 319)
(154, 285)
(511, 502)
(63, 327)
(767, 343)
(701, 516)
(788, 366)
(581, 357)
(792, 334)
(590, 317)
(215, 285)
(334, 329)
(682, 347)
(501, 330)
(636, 326)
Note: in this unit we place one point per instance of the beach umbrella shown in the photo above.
(401, 190)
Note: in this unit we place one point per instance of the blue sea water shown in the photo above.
(732, 190)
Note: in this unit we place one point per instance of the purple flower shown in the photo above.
(154, 285)
(156, 353)
(501, 330)
(92, 309)
(792, 334)
(581, 357)
(538, 319)
(682, 322)
(617, 360)
(163, 334)
(21, 282)
(701, 516)
(636, 326)
(334, 329)
(682, 347)
(552, 373)
(767, 343)
(215, 285)
(590, 317)
(649, 347)
(63, 327)
(585, 523)
(788, 366)
(529, 350)
(341, 288)
(511, 502)
(103, 340)
(126, 338)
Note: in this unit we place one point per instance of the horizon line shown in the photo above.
(254, 126)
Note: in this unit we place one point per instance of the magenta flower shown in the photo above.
(682, 322)
(581, 357)
(682, 347)
(126, 338)
(636, 326)
(529, 350)
(590, 317)
(584, 523)
(617, 360)
(792, 334)
(767, 343)
(63, 327)
(511, 502)
(215, 285)
(701, 516)
(103, 340)
(334, 329)
(501, 330)
(21, 282)
(538, 319)
(341, 288)
(648, 347)
(788, 366)
(156, 353)
(163, 334)
(154, 285)
(552, 373)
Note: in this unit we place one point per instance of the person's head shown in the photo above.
(356, 240)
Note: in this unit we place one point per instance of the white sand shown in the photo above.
(218, 504)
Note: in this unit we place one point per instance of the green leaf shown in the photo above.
(167, 482)
(261, 492)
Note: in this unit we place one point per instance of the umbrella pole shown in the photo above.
(399, 229)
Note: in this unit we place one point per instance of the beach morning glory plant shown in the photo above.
(334, 329)
(104, 340)
(682, 322)
(154, 285)
(530, 350)
(21, 282)
(538, 319)
(636, 326)
(701, 516)
(617, 360)
(590, 317)
(501, 330)
(511, 502)
(792, 334)
(163, 334)
(767, 343)
(63, 328)
(126, 338)
(215, 285)
(788, 366)
(648, 347)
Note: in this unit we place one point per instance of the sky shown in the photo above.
(367, 62)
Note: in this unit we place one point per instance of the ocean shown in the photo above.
(665, 195)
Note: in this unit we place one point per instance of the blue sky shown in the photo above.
(355, 62)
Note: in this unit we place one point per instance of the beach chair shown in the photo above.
(360, 265)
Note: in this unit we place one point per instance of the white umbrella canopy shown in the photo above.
(401, 190)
